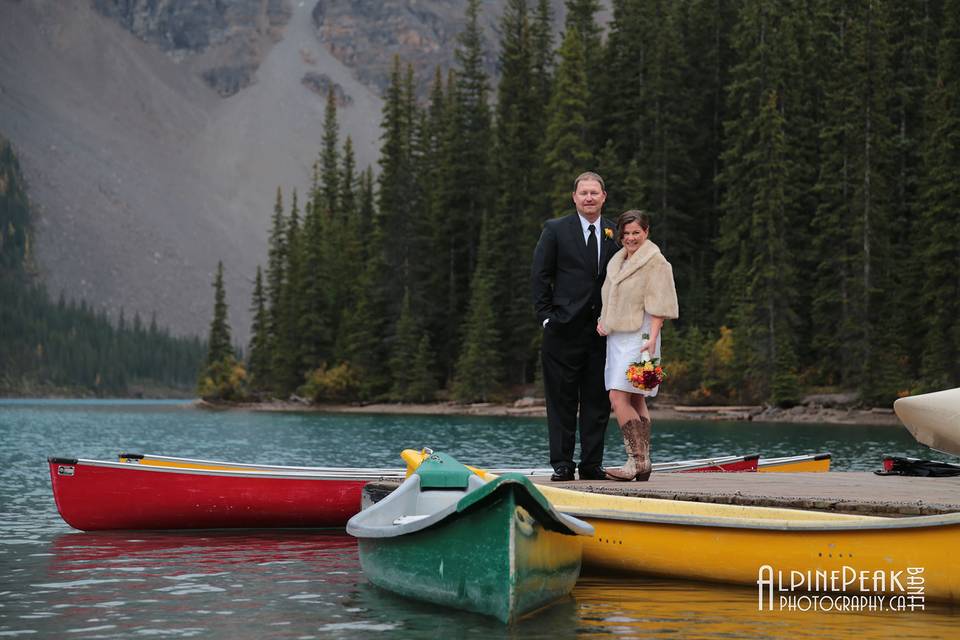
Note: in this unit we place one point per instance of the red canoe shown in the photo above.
(94, 495)
(157, 492)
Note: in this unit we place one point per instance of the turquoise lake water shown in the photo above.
(55, 580)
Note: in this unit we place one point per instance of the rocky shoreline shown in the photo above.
(534, 407)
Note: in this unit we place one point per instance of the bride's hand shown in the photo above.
(601, 330)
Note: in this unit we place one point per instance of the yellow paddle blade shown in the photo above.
(414, 458)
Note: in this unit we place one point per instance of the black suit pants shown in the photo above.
(573, 361)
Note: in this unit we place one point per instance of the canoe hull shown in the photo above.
(812, 463)
(497, 561)
(95, 496)
(933, 419)
(736, 554)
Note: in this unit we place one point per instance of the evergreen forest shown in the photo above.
(66, 347)
(800, 159)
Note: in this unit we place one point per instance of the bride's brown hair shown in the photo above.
(633, 215)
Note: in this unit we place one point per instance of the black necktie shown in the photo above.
(592, 248)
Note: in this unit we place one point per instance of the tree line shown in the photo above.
(67, 346)
(800, 161)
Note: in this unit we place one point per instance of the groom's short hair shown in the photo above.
(588, 175)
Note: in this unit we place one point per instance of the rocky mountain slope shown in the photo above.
(154, 133)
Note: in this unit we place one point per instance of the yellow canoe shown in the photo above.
(781, 550)
(811, 462)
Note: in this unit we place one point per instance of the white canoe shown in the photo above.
(933, 419)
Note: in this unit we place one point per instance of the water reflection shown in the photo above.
(308, 584)
(118, 584)
(649, 608)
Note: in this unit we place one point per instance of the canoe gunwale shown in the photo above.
(225, 473)
(151, 460)
(868, 523)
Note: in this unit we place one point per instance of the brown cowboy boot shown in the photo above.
(641, 447)
(632, 442)
(636, 440)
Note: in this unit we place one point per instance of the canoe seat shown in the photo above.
(431, 501)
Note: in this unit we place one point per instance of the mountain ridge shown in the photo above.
(145, 169)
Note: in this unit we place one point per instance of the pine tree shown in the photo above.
(913, 65)
(705, 26)
(756, 272)
(275, 278)
(465, 177)
(479, 365)
(326, 201)
(404, 349)
(223, 378)
(433, 271)
(940, 220)
(566, 147)
(854, 245)
(581, 20)
(345, 248)
(396, 196)
(421, 381)
(313, 298)
(518, 212)
(287, 365)
(360, 341)
(258, 359)
(541, 43)
(218, 342)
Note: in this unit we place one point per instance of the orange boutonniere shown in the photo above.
(608, 233)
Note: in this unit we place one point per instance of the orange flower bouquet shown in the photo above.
(647, 373)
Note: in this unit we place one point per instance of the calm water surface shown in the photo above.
(308, 584)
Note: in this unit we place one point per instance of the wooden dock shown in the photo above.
(863, 493)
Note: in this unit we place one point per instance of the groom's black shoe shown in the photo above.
(562, 474)
(596, 473)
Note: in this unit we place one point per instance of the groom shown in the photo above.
(569, 265)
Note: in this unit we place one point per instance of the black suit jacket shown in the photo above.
(562, 276)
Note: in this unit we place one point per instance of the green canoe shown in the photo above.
(446, 536)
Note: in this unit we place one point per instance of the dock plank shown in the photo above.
(848, 492)
(861, 493)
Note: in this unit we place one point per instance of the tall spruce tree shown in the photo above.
(668, 131)
(913, 65)
(314, 297)
(422, 382)
(396, 180)
(566, 147)
(326, 200)
(258, 354)
(287, 364)
(581, 19)
(434, 270)
(219, 347)
(517, 216)
(345, 249)
(705, 27)
(855, 224)
(275, 278)
(940, 219)
(478, 369)
(361, 341)
(404, 350)
(757, 267)
(466, 173)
